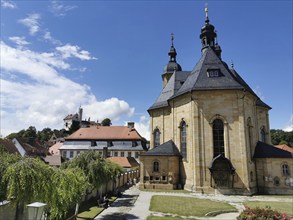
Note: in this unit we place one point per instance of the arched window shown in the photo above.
(157, 137)
(183, 139)
(285, 170)
(156, 166)
(263, 134)
(218, 137)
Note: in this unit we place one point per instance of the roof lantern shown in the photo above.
(208, 36)
(172, 65)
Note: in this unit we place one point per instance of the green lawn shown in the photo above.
(163, 218)
(91, 213)
(283, 207)
(187, 206)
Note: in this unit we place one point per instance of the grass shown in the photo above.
(283, 207)
(91, 213)
(187, 206)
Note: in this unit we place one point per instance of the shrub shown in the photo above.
(262, 214)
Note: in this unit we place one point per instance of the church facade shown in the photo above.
(214, 120)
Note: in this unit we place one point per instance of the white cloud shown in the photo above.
(143, 127)
(59, 9)
(38, 95)
(48, 37)
(290, 126)
(68, 51)
(20, 41)
(32, 23)
(8, 4)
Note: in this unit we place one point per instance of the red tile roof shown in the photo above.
(105, 133)
(54, 149)
(285, 147)
(125, 162)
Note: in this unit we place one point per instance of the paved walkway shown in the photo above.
(134, 204)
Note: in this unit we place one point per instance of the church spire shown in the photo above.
(208, 35)
(172, 64)
(172, 52)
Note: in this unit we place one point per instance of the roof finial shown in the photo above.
(232, 64)
(172, 39)
(206, 11)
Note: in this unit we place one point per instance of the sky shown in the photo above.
(108, 56)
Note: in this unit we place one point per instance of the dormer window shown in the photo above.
(212, 73)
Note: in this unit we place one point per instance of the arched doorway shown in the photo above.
(222, 172)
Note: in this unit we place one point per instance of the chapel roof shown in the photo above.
(264, 150)
(166, 149)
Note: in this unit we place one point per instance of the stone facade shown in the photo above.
(166, 177)
(215, 120)
(199, 110)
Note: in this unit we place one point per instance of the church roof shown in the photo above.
(166, 149)
(210, 73)
(199, 79)
(174, 84)
(264, 150)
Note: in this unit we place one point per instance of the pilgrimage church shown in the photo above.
(210, 131)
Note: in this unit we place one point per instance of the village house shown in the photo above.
(110, 141)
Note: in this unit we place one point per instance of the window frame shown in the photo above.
(218, 137)
(183, 139)
(156, 166)
(285, 169)
(157, 137)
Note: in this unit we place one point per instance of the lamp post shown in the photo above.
(35, 210)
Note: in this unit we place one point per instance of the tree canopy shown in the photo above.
(27, 180)
(282, 137)
(106, 122)
(97, 170)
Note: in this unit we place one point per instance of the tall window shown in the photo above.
(183, 139)
(263, 134)
(285, 170)
(218, 137)
(156, 166)
(156, 137)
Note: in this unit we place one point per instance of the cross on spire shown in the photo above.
(207, 12)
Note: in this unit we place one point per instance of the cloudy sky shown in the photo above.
(108, 56)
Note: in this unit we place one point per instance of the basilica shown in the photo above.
(210, 131)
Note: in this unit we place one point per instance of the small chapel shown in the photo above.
(205, 127)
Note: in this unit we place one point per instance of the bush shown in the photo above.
(262, 214)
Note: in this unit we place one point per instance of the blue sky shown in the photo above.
(108, 56)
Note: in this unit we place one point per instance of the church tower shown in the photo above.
(205, 125)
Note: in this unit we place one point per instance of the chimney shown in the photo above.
(130, 125)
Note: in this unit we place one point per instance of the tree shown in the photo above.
(97, 170)
(74, 126)
(30, 132)
(106, 122)
(29, 179)
(282, 137)
(44, 135)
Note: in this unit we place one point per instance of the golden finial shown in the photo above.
(206, 11)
